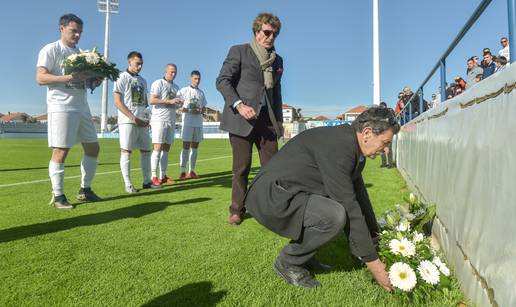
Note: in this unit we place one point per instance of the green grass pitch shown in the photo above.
(170, 247)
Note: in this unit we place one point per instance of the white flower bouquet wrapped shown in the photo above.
(91, 63)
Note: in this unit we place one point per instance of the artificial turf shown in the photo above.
(170, 246)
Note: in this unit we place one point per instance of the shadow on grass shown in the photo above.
(196, 294)
(338, 255)
(219, 179)
(46, 167)
(136, 211)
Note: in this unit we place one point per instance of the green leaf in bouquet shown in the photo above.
(399, 236)
(420, 222)
(390, 220)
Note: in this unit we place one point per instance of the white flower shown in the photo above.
(92, 58)
(412, 198)
(410, 217)
(444, 269)
(403, 226)
(437, 261)
(403, 247)
(428, 271)
(441, 265)
(402, 276)
(73, 57)
(418, 237)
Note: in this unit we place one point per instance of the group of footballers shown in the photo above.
(70, 120)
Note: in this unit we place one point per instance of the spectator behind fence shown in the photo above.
(473, 71)
(489, 64)
(399, 103)
(386, 157)
(460, 85)
(505, 49)
(435, 101)
(407, 93)
(501, 63)
(484, 64)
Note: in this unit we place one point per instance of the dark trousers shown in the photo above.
(387, 158)
(264, 137)
(324, 219)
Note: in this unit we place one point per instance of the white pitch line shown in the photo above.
(103, 173)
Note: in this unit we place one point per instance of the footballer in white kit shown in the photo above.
(69, 117)
(192, 134)
(164, 104)
(130, 96)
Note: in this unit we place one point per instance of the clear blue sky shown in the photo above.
(326, 45)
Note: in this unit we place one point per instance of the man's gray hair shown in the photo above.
(379, 119)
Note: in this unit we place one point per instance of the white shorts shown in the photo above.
(162, 133)
(134, 137)
(68, 128)
(192, 134)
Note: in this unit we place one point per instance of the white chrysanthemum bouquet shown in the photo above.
(92, 63)
(415, 270)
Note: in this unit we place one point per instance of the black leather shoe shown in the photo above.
(86, 194)
(295, 275)
(314, 265)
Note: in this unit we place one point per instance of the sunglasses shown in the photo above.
(268, 33)
(503, 41)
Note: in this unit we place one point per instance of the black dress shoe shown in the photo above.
(295, 275)
(314, 265)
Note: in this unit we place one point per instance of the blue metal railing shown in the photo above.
(441, 63)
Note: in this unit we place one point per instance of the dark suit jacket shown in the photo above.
(241, 78)
(324, 161)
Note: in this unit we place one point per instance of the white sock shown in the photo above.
(56, 173)
(88, 170)
(125, 167)
(145, 163)
(184, 159)
(193, 159)
(155, 162)
(164, 164)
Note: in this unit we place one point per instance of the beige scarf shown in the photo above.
(266, 59)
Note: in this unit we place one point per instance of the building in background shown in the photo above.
(17, 117)
(351, 114)
(212, 115)
(42, 118)
(290, 114)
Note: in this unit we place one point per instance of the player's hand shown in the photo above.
(140, 122)
(176, 101)
(96, 82)
(81, 76)
(246, 112)
(377, 268)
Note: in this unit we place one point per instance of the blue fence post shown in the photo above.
(443, 80)
(421, 109)
(511, 9)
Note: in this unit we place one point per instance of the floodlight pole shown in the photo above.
(103, 118)
(376, 55)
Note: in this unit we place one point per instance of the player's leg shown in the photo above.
(186, 135)
(144, 143)
(127, 135)
(197, 137)
(62, 135)
(88, 138)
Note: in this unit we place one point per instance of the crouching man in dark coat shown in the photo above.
(313, 187)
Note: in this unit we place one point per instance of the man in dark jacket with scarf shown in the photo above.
(250, 82)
